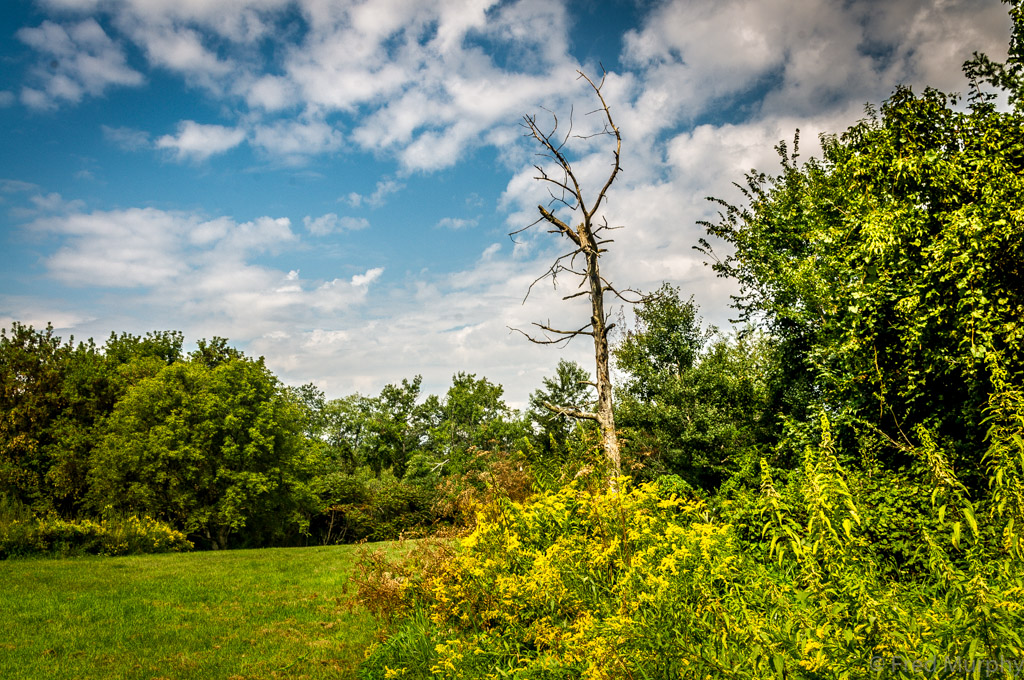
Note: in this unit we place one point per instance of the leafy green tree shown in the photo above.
(53, 397)
(570, 388)
(31, 374)
(395, 426)
(891, 271)
(347, 430)
(474, 415)
(691, 403)
(382, 432)
(126, 347)
(312, 402)
(212, 449)
(214, 352)
(665, 342)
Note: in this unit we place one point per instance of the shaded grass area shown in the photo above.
(245, 614)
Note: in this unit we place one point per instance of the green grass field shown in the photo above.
(279, 613)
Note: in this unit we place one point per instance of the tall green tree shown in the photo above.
(571, 388)
(214, 450)
(53, 398)
(473, 413)
(691, 403)
(891, 271)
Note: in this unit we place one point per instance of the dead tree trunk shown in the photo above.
(587, 246)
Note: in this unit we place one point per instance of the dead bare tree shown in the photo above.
(582, 261)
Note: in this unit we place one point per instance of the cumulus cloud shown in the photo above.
(40, 203)
(293, 140)
(196, 141)
(203, 275)
(129, 248)
(180, 49)
(704, 93)
(415, 74)
(368, 277)
(78, 60)
(38, 312)
(269, 92)
(13, 186)
(433, 326)
(808, 55)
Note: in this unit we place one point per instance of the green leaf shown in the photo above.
(779, 663)
(969, 515)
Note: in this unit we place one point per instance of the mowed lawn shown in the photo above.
(276, 613)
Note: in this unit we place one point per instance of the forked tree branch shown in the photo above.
(587, 246)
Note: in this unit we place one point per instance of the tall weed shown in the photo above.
(653, 582)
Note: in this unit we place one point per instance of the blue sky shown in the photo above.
(331, 183)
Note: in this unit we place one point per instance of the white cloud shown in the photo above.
(78, 60)
(384, 188)
(41, 204)
(236, 20)
(269, 92)
(181, 49)
(331, 223)
(293, 140)
(198, 142)
(414, 75)
(260, 235)
(195, 274)
(136, 247)
(367, 278)
(708, 89)
(812, 55)
(38, 311)
(12, 186)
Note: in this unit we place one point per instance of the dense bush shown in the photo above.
(22, 535)
(652, 581)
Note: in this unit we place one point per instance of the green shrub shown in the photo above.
(361, 506)
(651, 582)
(23, 535)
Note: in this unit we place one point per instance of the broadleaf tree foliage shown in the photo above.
(583, 259)
(891, 268)
(690, 401)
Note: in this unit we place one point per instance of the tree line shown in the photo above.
(213, 444)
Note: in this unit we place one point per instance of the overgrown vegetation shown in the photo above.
(23, 534)
(835, 492)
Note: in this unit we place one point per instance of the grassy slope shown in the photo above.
(239, 614)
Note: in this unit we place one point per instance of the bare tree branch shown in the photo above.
(564, 189)
(572, 413)
(549, 329)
